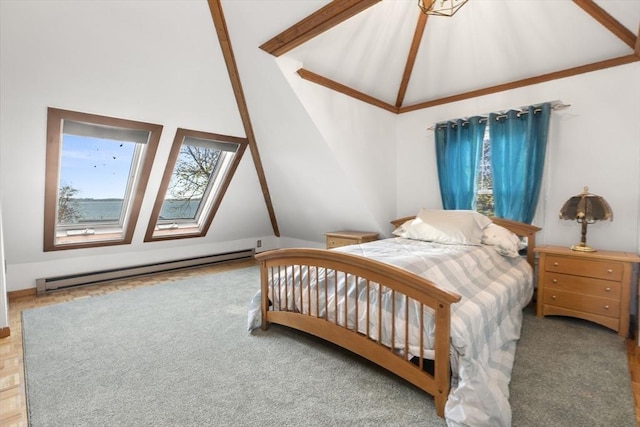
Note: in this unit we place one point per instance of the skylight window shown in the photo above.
(96, 174)
(198, 173)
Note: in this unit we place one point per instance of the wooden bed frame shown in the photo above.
(410, 286)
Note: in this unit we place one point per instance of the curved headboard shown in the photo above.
(518, 228)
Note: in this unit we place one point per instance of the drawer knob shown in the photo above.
(609, 270)
(555, 264)
(555, 280)
(606, 307)
(553, 297)
(608, 290)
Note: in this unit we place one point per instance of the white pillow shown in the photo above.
(404, 229)
(459, 227)
(503, 241)
(460, 215)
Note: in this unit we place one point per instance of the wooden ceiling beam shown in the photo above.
(318, 22)
(340, 10)
(608, 21)
(345, 90)
(411, 59)
(622, 60)
(227, 52)
(637, 50)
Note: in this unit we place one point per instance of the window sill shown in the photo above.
(175, 233)
(87, 241)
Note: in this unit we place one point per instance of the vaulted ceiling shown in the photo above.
(387, 53)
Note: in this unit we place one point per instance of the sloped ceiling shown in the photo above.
(489, 45)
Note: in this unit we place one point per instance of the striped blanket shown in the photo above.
(485, 324)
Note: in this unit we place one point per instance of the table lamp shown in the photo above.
(585, 208)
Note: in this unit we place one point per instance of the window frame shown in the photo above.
(136, 184)
(211, 199)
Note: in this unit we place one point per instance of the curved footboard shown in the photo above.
(383, 313)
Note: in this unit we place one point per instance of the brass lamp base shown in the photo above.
(582, 248)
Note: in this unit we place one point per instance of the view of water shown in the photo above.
(100, 210)
(179, 209)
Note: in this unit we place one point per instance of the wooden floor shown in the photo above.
(12, 392)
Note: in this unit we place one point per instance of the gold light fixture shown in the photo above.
(586, 208)
(440, 7)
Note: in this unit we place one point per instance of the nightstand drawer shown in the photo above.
(608, 270)
(336, 239)
(589, 304)
(336, 242)
(586, 285)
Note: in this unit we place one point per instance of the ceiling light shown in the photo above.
(440, 7)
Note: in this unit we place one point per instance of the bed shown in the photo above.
(443, 315)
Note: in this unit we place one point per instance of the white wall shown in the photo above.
(594, 143)
(4, 309)
(329, 158)
(160, 61)
(154, 61)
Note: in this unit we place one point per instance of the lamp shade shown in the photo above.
(586, 208)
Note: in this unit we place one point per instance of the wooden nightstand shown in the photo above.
(335, 239)
(595, 286)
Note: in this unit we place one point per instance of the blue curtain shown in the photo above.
(518, 143)
(458, 153)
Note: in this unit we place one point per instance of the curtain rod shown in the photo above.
(484, 117)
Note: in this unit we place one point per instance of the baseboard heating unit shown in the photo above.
(82, 279)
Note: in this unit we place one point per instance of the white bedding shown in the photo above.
(485, 324)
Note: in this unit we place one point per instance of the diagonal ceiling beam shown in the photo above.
(225, 44)
(413, 52)
(333, 85)
(622, 60)
(611, 23)
(638, 43)
(318, 22)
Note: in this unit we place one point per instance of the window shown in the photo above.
(97, 169)
(513, 148)
(199, 170)
(484, 194)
